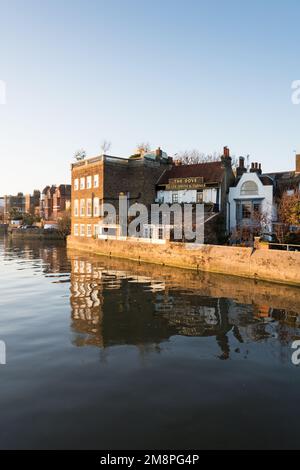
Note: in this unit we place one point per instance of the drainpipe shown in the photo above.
(228, 222)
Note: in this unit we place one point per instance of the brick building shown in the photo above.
(13, 203)
(102, 179)
(55, 200)
(32, 202)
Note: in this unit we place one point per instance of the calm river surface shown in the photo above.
(107, 354)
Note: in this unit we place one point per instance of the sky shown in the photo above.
(180, 74)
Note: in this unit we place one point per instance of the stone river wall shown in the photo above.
(269, 265)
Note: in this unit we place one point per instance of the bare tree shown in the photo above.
(256, 226)
(190, 157)
(289, 208)
(64, 224)
(105, 146)
(143, 147)
(288, 214)
(80, 154)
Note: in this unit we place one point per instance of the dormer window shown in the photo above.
(249, 188)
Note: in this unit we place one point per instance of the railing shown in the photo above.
(284, 246)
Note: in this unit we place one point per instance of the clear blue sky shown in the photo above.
(179, 74)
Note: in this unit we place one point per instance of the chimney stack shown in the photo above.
(226, 158)
(256, 168)
(226, 152)
(158, 153)
(241, 168)
(298, 164)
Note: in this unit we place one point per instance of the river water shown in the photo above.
(110, 354)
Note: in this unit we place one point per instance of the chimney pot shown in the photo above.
(158, 152)
(226, 152)
(241, 162)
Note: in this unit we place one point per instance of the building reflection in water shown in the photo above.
(118, 302)
(111, 306)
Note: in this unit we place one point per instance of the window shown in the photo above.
(76, 232)
(96, 230)
(249, 187)
(161, 233)
(76, 205)
(88, 207)
(256, 208)
(290, 192)
(246, 210)
(82, 207)
(82, 183)
(174, 198)
(76, 183)
(96, 181)
(96, 207)
(82, 230)
(88, 230)
(88, 182)
(199, 199)
(148, 231)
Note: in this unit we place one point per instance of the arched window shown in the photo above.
(248, 188)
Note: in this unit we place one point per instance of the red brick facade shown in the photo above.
(113, 176)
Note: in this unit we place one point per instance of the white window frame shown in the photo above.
(76, 230)
(175, 197)
(76, 208)
(96, 207)
(96, 181)
(82, 182)
(76, 184)
(82, 230)
(82, 207)
(249, 188)
(96, 230)
(88, 182)
(89, 230)
(89, 207)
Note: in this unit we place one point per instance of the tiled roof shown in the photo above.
(212, 172)
(65, 189)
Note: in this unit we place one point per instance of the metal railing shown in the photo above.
(284, 246)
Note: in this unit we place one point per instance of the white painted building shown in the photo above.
(187, 196)
(205, 183)
(252, 194)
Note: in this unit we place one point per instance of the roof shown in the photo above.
(212, 172)
(45, 190)
(266, 180)
(285, 180)
(64, 189)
